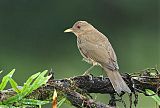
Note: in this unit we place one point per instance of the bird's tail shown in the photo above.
(117, 81)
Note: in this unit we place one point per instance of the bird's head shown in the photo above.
(80, 27)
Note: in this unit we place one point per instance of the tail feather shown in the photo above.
(117, 81)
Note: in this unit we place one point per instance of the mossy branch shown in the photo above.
(76, 89)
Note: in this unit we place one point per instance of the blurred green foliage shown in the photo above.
(32, 37)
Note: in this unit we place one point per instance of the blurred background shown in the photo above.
(32, 37)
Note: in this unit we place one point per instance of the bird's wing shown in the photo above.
(97, 53)
(112, 55)
(101, 44)
(104, 42)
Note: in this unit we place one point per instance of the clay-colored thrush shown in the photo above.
(97, 50)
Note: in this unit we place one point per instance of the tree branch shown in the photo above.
(77, 89)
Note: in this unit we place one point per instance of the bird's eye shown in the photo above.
(78, 27)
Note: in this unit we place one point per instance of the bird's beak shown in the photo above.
(69, 30)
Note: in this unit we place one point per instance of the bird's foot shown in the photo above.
(102, 77)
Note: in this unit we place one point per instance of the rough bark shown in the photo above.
(76, 89)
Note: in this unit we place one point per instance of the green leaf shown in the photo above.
(14, 85)
(39, 80)
(1, 71)
(155, 97)
(6, 79)
(29, 81)
(34, 102)
(12, 99)
(61, 102)
(4, 106)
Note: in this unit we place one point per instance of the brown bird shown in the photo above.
(97, 50)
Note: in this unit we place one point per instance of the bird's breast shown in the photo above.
(81, 48)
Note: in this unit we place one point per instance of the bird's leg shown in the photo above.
(88, 70)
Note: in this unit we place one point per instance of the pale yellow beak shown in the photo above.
(68, 30)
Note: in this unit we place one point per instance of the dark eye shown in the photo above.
(78, 27)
